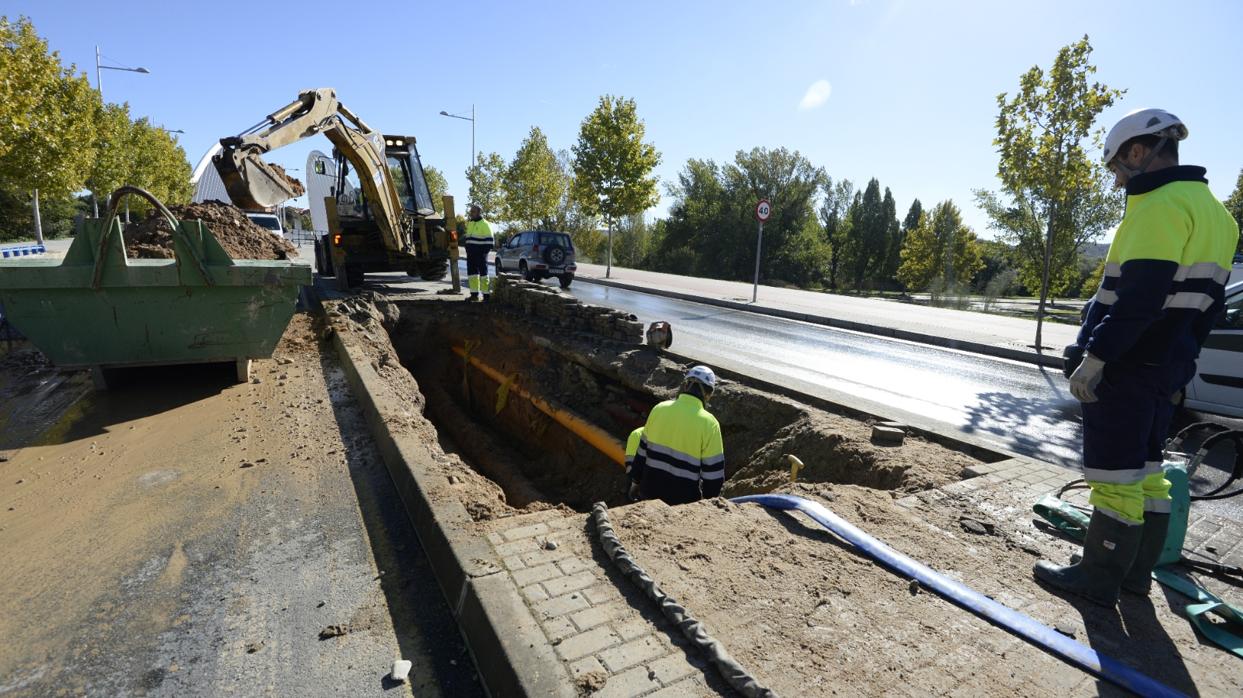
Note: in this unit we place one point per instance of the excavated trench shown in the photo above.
(486, 372)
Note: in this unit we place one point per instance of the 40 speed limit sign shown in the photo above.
(763, 210)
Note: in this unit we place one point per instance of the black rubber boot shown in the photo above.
(1108, 553)
(472, 298)
(1139, 579)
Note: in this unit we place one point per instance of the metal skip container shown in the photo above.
(97, 309)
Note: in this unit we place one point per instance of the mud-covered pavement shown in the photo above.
(181, 534)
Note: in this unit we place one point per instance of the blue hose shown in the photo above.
(1020, 624)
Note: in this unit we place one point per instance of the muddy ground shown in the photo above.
(241, 238)
(182, 534)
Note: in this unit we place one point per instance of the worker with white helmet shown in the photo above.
(680, 456)
(1163, 287)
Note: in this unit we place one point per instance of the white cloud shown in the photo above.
(816, 95)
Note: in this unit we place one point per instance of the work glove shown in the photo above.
(633, 494)
(1084, 380)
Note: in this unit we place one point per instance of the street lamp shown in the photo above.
(99, 83)
(471, 119)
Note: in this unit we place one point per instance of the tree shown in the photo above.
(487, 188)
(114, 160)
(534, 184)
(436, 184)
(1234, 203)
(940, 248)
(893, 238)
(835, 221)
(711, 227)
(47, 130)
(613, 166)
(1051, 183)
(867, 244)
(160, 163)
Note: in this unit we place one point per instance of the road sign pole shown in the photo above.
(759, 243)
(763, 209)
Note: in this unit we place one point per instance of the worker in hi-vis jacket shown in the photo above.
(678, 454)
(1163, 286)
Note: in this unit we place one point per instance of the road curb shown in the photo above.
(510, 652)
(1031, 357)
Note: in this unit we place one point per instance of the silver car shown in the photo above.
(539, 254)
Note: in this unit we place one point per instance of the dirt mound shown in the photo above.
(240, 237)
(294, 184)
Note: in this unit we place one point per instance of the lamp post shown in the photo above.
(471, 119)
(99, 83)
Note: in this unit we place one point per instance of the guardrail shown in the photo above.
(21, 250)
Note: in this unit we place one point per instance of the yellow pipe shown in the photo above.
(589, 432)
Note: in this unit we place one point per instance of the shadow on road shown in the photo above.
(1034, 427)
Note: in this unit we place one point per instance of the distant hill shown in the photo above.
(1095, 250)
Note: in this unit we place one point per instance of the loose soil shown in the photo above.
(241, 238)
(809, 615)
(294, 184)
(183, 534)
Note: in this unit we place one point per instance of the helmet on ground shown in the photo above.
(1143, 122)
(702, 375)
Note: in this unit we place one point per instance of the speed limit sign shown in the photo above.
(763, 210)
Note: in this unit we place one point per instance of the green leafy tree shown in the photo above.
(160, 163)
(632, 240)
(1054, 193)
(535, 184)
(711, 227)
(1234, 203)
(487, 188)
(867, 245)
(940, 248)
(912, 216)
(47, 127)
(893, 238)
(436, 184)
(613, 166)
(114, 159)
(835, 221)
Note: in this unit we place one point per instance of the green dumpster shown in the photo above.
(98, 309)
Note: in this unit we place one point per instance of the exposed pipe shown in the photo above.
(1020, 624)
(592, 434)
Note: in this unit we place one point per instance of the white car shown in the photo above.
(271, 221)
(1218, 384)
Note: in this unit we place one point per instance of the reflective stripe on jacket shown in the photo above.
(478, 233)
(683, 458)
(1165, 273)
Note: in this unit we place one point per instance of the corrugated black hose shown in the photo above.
(730, 670)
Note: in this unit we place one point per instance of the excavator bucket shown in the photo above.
(252, 183)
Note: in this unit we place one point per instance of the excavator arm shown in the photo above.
(255, 184)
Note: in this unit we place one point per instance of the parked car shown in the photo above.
(1218, 384)
(271, 221)
(539, 254)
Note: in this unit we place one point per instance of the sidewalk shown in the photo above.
(994, 335)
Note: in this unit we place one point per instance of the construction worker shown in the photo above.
(1164, 285)
(632, 453)
(479, 241)
(680, 457)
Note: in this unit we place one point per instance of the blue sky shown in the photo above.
(904, 91)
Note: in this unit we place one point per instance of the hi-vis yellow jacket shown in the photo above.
(1165, 273)
(680, 457)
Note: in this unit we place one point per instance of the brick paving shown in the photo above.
(593, 617)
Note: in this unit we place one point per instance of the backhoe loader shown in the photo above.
(380, 212)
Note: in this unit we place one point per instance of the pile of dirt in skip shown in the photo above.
(240, 237)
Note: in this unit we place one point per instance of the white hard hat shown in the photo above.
(702, 375)
(1143, 122)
